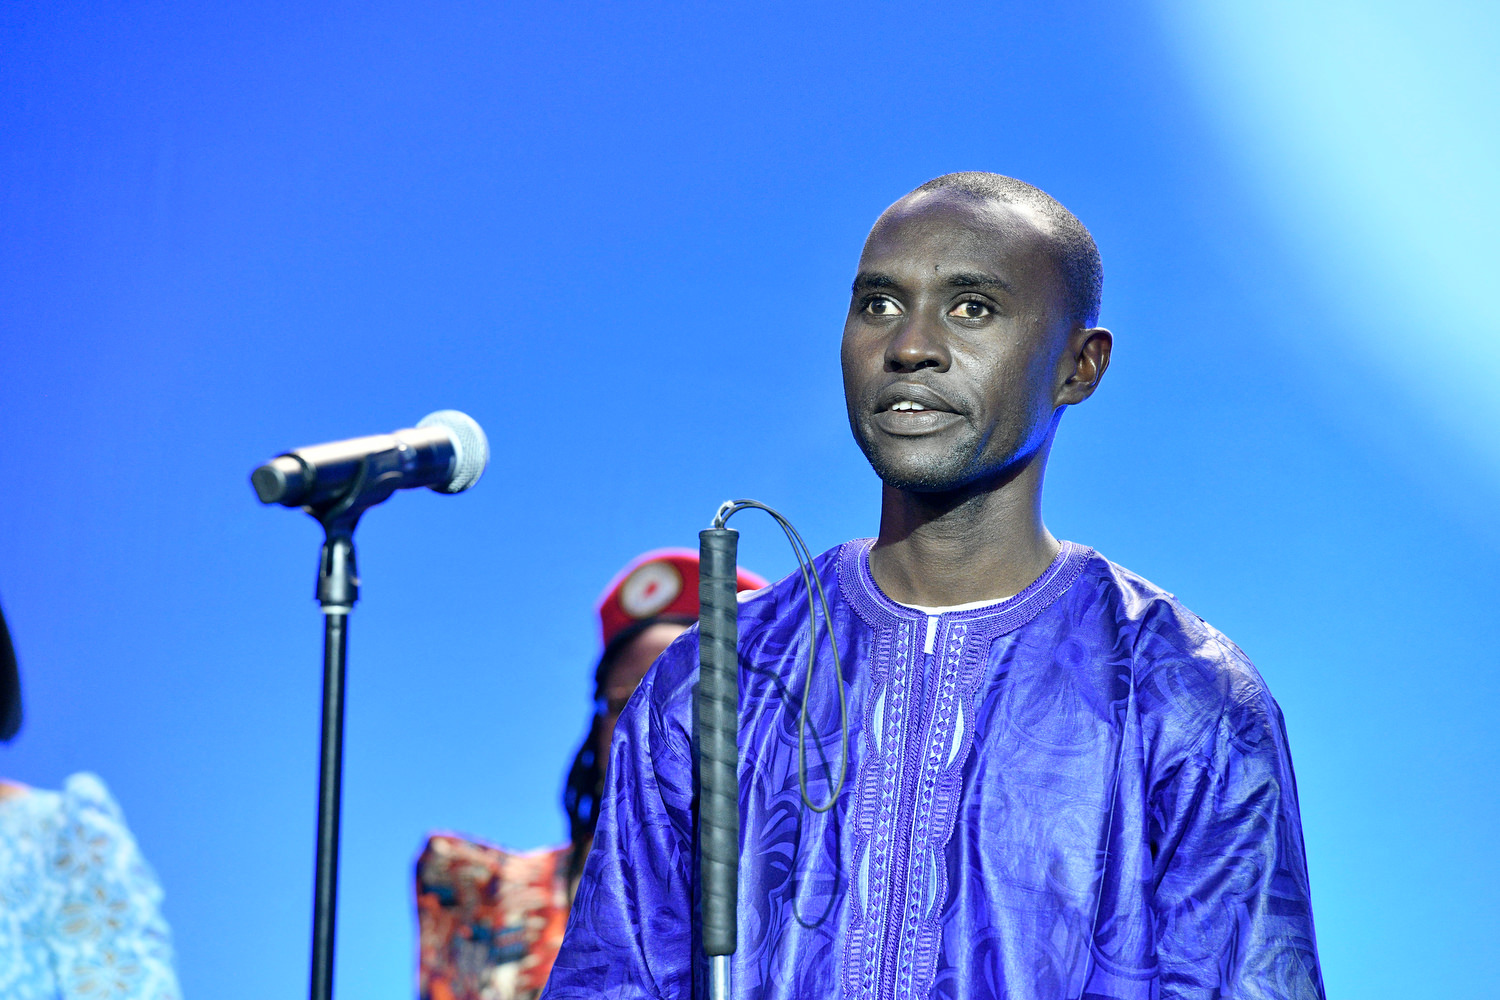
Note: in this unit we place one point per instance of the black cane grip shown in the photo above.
(718, 729)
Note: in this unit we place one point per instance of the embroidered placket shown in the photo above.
(920, 750)
(876, 810)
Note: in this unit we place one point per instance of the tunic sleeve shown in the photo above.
(1231, 904)
(108, 938)
(630, 931)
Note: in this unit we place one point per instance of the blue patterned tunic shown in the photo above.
(80, 915)
(1081, 792)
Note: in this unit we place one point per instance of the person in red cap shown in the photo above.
(490, 920)
(648, 604)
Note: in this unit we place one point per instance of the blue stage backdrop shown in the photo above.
(621, 236)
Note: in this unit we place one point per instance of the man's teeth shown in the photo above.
(907, 404)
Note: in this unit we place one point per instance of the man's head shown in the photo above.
(971, 326)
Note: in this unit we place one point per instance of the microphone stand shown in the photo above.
(384, 463)
(337, 590)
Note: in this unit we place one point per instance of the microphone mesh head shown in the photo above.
(471, 449)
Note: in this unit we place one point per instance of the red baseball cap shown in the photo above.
(661, 582)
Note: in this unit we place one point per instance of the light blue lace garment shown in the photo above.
(80, 910)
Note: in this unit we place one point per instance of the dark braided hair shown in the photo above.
(10, 686)
(584, 788)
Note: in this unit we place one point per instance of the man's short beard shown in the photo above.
(940, 474)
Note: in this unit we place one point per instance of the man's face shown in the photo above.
(954, 346)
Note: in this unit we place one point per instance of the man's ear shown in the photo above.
(1090, 355)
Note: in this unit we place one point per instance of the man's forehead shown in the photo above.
(932, 228)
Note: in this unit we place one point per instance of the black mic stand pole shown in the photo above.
(338, 589)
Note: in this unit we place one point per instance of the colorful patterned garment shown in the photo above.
(1082, 791)
(80, 910)
(490, 921)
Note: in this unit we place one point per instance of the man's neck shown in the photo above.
(943, 549)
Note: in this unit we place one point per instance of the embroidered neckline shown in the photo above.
(879, 611)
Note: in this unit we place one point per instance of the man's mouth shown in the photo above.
(913, 412)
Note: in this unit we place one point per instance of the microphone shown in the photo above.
(447, 452)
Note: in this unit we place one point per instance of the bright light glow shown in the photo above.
(1370, 130)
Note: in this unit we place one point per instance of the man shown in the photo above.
(1063, 784)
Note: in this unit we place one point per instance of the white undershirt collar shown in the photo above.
(930, 639)
(971, 606)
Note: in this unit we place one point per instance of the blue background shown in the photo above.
(621, 238)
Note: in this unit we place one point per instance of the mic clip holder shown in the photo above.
(338, 576)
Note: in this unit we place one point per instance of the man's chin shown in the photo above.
(938, 463)
(918, 477)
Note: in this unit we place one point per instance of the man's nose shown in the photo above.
(919, 343)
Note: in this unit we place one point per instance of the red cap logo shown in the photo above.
(662, 582)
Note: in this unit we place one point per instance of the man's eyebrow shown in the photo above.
(975, 279)
(868, 280)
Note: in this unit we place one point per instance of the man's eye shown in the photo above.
(882, 306)
(970, 310)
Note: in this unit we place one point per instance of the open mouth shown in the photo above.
(914, 412)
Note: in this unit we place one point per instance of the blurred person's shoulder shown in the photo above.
(76, 829)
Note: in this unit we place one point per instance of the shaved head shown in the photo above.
(1072, 246)
(970, 329)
